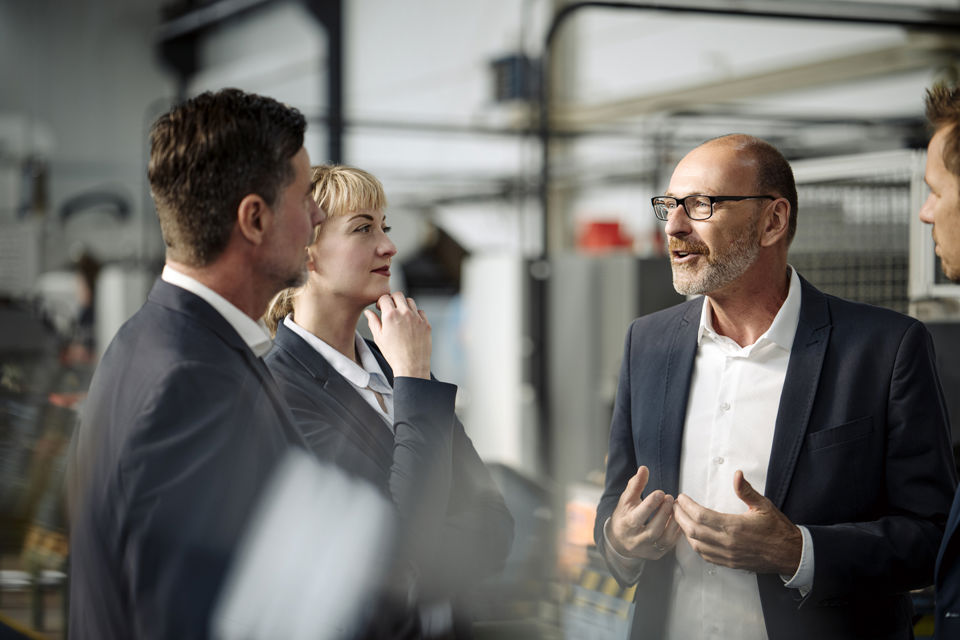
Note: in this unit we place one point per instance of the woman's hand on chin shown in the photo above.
(402, 332)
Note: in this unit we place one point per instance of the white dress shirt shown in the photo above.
(254, 333)
(365, 377)
(730, 420)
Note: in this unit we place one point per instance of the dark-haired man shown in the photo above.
(942, 210)
(779, 464)
(183, 424)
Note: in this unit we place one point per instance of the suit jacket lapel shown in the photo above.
(363, 425)
(677, 376)
(799, 390)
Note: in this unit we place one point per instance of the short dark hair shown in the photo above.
(209, 153)
(943, 111)
(774, 174)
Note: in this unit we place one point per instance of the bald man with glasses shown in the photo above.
(779, 461)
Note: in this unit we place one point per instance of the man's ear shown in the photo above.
(777, 223)
(253, 218)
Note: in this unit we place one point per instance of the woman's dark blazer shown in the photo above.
(457, 525)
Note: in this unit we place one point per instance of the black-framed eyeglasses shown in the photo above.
(697, 206)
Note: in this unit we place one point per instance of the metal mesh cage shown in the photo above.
(853, 236)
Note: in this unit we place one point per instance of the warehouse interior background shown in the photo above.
(529, 283)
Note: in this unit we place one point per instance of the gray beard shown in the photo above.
(720, 271)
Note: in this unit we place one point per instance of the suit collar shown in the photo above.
(254, 333)
(366, 426)
(185, 302)
(182, 301)
(369, 372)
(782, 329)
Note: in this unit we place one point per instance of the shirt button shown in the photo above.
(725, 406)
(718, 460)
(711, 571)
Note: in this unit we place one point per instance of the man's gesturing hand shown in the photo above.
(403, 334)
(762, 540)
(643, 527)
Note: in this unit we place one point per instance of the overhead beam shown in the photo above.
(920, 51)
(178, 40)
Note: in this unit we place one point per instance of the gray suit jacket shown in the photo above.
(456, 528)
(860, 456)
(179, 433)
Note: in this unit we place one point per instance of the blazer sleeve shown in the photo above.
(621, 462)
(458, 523)
(421, 472)
(896, 552)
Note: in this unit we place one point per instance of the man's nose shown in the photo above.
(926, 211)
(678, 222)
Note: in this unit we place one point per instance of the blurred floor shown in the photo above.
(16, 609)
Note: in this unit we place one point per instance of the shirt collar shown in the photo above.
(254, 333)
(784, 326)
(367, 374)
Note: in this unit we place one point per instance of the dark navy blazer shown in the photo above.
(179, 432)
(861, 456)
(948, 578)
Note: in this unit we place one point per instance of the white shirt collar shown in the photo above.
(358, 375)
(784, 326)
(253, 333)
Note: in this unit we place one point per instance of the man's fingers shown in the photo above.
(745, 490)
(412, 304)
(671, 533)
(681, 517)
(657, 523)
(690, 514)
(633, 493)
(704, 525)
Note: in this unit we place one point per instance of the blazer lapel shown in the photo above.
(799, 390)
(361, 423)
(367, 425)
(677, 375)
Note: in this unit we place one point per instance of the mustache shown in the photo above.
(688, 246)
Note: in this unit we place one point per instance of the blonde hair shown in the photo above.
(338, 190)
(279, 308)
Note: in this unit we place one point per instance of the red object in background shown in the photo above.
(599, 236)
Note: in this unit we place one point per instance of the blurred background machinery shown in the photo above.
(531, 259)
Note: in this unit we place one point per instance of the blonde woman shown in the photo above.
(373, 409)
